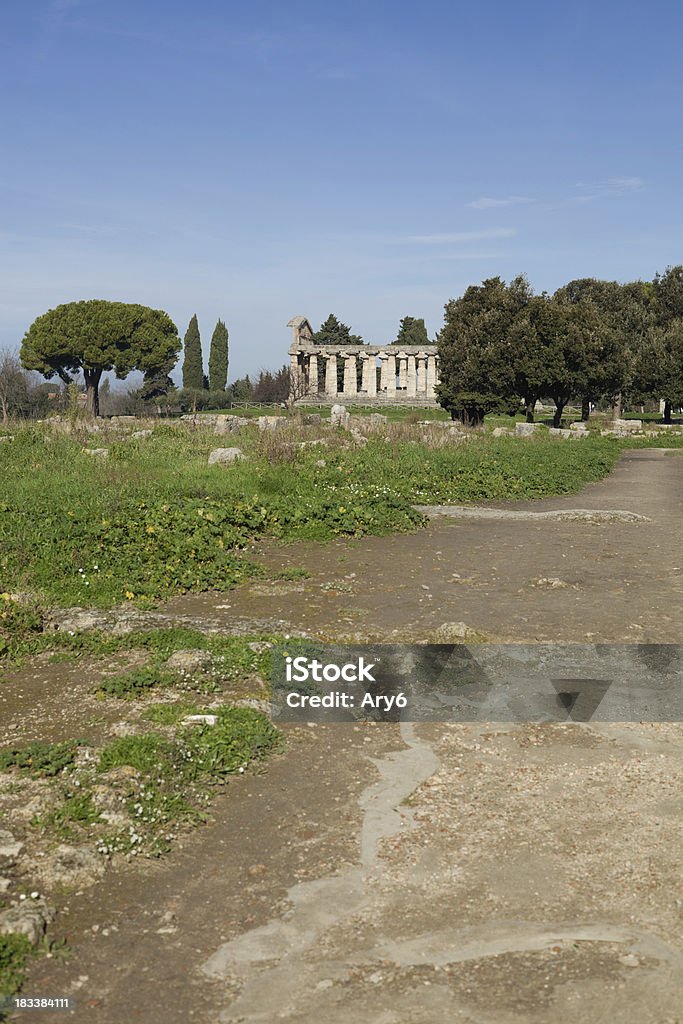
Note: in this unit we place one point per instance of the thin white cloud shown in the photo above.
(492, 203)
(448, 238)
(618, 186)
(585, 192)
(627, 184)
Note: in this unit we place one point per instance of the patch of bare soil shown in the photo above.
(596, 579)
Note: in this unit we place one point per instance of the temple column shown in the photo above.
(383, 371)
(431, 375)
(421, 373)
(296, 375)
(391, 376)
(365, 364)
(313, 374)
(402, 371)
(350, 378)
(411, 377)
(371, 363)
(331, 375)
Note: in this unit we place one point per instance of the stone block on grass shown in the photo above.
(225, 456)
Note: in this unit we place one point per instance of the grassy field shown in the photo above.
(153, 519)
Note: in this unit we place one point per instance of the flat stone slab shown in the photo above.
(588, 515)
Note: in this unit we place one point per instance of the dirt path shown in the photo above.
(533, 579)
(387, 874)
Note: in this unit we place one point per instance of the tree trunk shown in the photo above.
(557, 416)
(616, 408)
(667, 411)
(585, 410)
(472, 416)
(92, 391)
(529, 410)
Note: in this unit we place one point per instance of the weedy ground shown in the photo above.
(153, 520)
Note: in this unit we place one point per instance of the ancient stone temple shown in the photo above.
(360, 374)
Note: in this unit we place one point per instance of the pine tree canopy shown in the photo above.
(412, 332)
(333, 332)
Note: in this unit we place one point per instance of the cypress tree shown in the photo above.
(218, 358)
(193, 370)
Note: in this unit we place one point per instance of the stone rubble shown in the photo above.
(225, 456)
(27, 918)
(339, 417)
(271, 422)
(10, 850)
(527, 429)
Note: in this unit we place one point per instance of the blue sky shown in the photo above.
(256, 161)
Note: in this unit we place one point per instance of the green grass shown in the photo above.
(76, 810)
(147, 753)
(136, 683)
(234, 658)
(154, 520)
(177, 774)
(171, 714)
(42, 760)
(15, 951)
(661, 441)
(292, 574)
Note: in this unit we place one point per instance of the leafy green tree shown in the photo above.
(529, 341)
(662, 367)
(476, 368)
(155, 384)
(559, 327)
(193, 363)
(659, 366)
(333, 332)
(218, 358)
(668, 295)
(412, 332)
(242, 390)
(272, 387)
(14, 386)
(583, 355)
(625, 315)
(97, 335)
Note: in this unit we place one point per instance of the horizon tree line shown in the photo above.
(590, 341)
(501, 346)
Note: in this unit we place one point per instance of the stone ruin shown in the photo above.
(372, 374)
